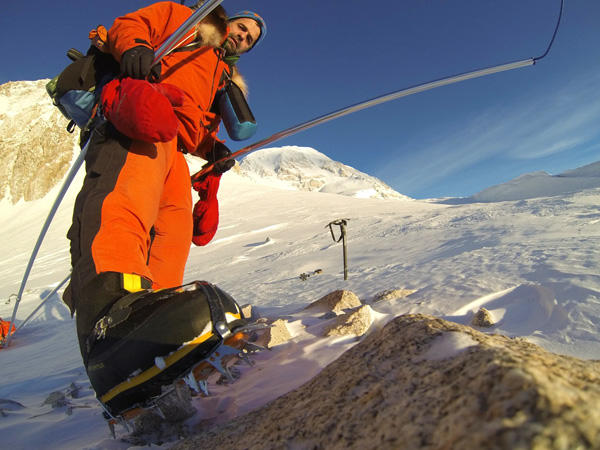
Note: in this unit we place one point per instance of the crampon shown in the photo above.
(164, 414)
(145, 373)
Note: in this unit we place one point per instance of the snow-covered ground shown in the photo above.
(531, 259)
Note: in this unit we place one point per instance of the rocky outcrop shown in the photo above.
(35, 148)
(354, 322)
(422, 382)
(276, 334)
(392, 294)
(482, 319)
(335, 301)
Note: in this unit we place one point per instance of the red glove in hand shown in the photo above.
(206, 210)
(141, 110)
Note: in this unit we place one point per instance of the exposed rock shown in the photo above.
(336, 301)
(388, 391)
(482, 318)
(306, 275)
(247, 311)
(393, 294)
(354, 322)
(35, 148)
(276, 334)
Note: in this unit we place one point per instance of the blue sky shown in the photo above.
(321, 56)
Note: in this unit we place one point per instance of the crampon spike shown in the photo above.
(204, 387)
(217, 360)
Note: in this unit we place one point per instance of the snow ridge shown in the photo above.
(537, 185)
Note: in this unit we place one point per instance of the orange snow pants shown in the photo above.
(133, 214)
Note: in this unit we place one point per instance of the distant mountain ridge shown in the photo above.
(304, 168)
(542, 184)
(36, 152)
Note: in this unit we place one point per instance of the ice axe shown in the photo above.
(342, 224)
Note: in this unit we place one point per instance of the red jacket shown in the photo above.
(198, 72)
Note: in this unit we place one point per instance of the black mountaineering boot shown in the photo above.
(147, 339)
(98, 296)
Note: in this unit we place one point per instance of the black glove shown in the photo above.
(218, 152)
(137, 63)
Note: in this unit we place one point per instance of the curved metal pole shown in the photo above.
(368, 104)
(180, 34)
(63, 190)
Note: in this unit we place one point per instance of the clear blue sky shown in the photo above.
(320, 56)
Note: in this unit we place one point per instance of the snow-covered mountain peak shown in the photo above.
(304, 168)
(272, 160)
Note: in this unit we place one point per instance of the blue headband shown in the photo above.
(259, 20)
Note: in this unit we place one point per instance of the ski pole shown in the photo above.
(342, 224)
(163, 50)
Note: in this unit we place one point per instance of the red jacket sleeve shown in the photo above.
(149, 26)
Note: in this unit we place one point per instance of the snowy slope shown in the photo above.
(532, 261)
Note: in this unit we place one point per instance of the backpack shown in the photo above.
(76, 90)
